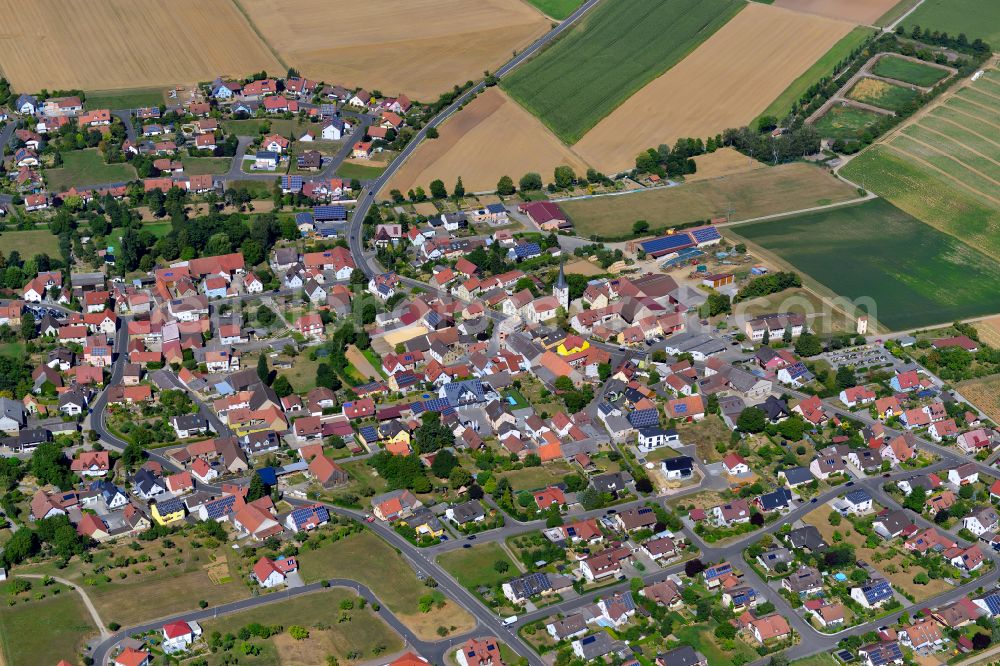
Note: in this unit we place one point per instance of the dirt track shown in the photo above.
(726, 82)
(115, 44)
(420, 47)
(492, 137)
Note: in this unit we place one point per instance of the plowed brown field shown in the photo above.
(726, 82)
(856, 11)
(419, 47)
(114, 44)
(491, 137)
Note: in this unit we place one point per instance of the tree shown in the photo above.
(28, 325)
(50, 465)
(564, 176)
(438, 190)
(845, 378)
(766, 340)
(834, 518)
(639, 227)
(808, 344)
(603, 371)
(752, 420)
(432, 435)
(432, 133)
(358, 277)
(459, 477)
(718, 304)
(505, 186)
(916, 500)
(263, 373)
(459, 191)
(444, 462)
(786, 337)
(282, 387)
(725, 630)
(693, 567)
(257, 488)
(921, 578)
(563, 383)
(530, 181)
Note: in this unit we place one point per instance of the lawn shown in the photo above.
(532, 478)
(352, 171)
(392, 581)
(519, 401)
(473, 567)
(821, 659)
(330, 630)
(823, 67)
(29, 243)
(557, 9)
(883, 95)
(845, 122)
(290, 128)
(978, 19)
(124, 99)
(746, 195)
(258, 189)
(921, 191)
(86, 168)
(66, 626)
(901, 69)
(302, 374)
(931, 278)
(198, 166)
(12, 349)
(619, 48)
(701, 638)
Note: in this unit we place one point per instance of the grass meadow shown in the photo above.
(85, 168)
(620, 47)
(557, 9)
(883, 95)
(845, 122)
(915, 274)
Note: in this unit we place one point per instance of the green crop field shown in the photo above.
(883, 95)
(978, 19)
(845, 122)
(557, 9)
(620, 47)
(915, 274)
(906, 70)
(85, 168)
(781, 107)
(124, 99)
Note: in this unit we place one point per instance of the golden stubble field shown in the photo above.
(726, 82)
(857, 11)
(491, 137)
(115, 44)
(722, 162)
(420, 47)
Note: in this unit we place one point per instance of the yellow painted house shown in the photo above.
(168, 511)
(573, 344)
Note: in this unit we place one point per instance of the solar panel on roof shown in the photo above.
(418, 408)
(705, 234)
(666, 244)
(221, 507)
(436, 405)
(369, 433)
(993, 603)
(329, 213)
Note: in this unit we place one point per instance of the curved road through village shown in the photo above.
(423, 560)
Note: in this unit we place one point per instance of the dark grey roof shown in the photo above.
(806, 537)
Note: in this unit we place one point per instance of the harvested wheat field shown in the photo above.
(989, 331)
(726, 82)
(491, 137)
(117, 44)
(984, 393)
(723, 162)
(857, 11)
(421, 47)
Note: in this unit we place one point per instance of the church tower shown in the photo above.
(561, 289)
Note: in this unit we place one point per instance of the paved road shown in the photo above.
(236, 167)
(166, 377)
(331, 165)
(7, 133)
(125, 115)
(367, 196)
(434, 651)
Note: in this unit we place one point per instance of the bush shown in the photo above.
(297, 632)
